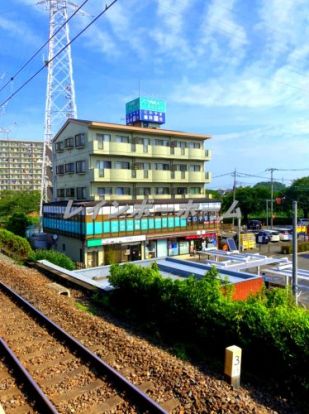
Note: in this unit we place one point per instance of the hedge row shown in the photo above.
(301, 247)
(14, 246)
(54, 257)
(271, 330)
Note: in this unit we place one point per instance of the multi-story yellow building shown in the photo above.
(96, 160)
(121, 167)
(20, 165)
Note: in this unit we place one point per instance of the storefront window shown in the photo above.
(184, 247)
(151, 249)
(172, 247)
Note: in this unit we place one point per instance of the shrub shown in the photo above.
(271, 329)
(14, 246)
(301, 247)
(17, 223)
(54, 257)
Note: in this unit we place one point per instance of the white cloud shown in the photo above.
(169, 32)
(20, 30)
(219, 22)
(252, 88)
(284, 24)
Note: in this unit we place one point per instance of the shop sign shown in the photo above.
(200, 236)
(118, 240)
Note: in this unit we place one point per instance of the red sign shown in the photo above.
(200, 236)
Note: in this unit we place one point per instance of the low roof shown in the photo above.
(129, 128)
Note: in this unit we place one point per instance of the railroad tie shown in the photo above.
(22, 409)
(110, 405)
(171, 405)
(58, 378)
(76, 392)
(146, 386)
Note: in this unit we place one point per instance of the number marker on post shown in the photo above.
(232, 365)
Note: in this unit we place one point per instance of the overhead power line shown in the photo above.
(12, 78)
(57, 54)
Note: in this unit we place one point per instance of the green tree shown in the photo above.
(299, 191)
(250, 200)
(18, 223)
(278, 187)
(19, 202)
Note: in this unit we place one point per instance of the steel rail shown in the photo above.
(40, 399)
(138, 396)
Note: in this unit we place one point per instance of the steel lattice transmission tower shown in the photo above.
(60, 93)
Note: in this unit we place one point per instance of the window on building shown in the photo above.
(181, 190)
(102, 164)
(69, 142)
(103, 191)
(143, 191)
(162, 142)
(196, 145)
(181, 144)
(60, 192)
(80, 140)
(162, 190)
(101, 139)
(81, 166)
(122, 165)
(69, 168)
(122, 190)
(69, 192)
(181, 167)
(59, 146)
(81, 193)
(195, 190)
(162, 166)
(195, 167)
(59, 169)
(121, 138)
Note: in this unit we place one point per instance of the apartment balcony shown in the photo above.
(113, 197)
(197, 154)
(161, 176)
(189, 196)
(207, 177)
(196, 177)
(208, 155)
(121, 175)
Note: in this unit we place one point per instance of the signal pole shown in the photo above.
(294, 260)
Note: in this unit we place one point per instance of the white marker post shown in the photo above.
(232, 365)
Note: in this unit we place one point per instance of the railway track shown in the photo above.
(62, 374)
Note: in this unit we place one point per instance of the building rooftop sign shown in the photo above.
(146, 110)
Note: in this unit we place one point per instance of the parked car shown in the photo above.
(273, 235)
(262, 237)
(254, 225)
(303, 222)
(284, 234)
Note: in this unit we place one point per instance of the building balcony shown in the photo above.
(197, 154)
(208, 155)
(120, 175)
(196, 176)
(161, 176)
(207, 177)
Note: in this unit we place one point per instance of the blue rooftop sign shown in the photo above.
(146, 109)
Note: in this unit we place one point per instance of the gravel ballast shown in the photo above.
(180, 385)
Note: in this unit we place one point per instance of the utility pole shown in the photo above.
(271, 195)
(234, 190)
(294, 259)
(60, 93)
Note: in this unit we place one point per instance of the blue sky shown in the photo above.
(235, 69)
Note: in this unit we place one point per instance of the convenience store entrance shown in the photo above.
(120, 253)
